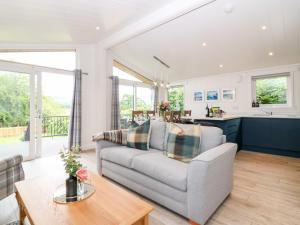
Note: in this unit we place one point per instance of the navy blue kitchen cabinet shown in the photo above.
(279, 136)
(231, 128)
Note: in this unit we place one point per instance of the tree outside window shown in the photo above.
(272, 90)
(176, 97)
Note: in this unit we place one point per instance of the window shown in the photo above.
(175, 97)
(144, 98)
(273, 89)
(53, 59)
(135, 92)
(132, 97)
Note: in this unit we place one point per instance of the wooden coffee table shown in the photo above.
(109, 205)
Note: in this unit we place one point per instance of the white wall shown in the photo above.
(241, 81)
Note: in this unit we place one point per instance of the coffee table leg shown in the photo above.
(143, 221)
(21, 209)
(146, 220)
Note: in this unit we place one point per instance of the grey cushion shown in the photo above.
(160, 167)
(211, 137)
(122, 155)
(158, 133)
(147, 181)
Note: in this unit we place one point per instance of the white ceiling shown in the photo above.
(68, 21)
(234, 40)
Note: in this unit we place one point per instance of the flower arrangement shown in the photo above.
(70, 158)
(82, 174)
(164, 106)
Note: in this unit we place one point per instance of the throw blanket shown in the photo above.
(115, 136)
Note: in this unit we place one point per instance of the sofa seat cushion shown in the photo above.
(122, 155)
(160, 167)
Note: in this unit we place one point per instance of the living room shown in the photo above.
(161, 112)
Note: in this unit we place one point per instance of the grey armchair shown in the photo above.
(11, 171)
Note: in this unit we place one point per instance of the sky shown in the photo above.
(56, 85)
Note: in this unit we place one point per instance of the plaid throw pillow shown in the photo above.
(138, 137)
(115, 136)
(183, 143)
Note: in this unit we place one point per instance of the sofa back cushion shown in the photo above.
(138, 137)
(183, 142)
(211, 137)
(158, 133)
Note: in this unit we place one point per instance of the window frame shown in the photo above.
(290, 89)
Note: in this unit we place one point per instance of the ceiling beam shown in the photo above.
(153, 20)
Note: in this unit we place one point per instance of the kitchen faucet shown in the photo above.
(268, 113)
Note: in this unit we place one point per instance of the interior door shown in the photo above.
(17, 111)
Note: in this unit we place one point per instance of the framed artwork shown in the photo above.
(212, 95)
(228, 94)
(199, 96)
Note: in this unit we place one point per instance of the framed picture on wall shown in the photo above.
(198, 96)
(228, 94)
(212, 95)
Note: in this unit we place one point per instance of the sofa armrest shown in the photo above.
(209, 181)
(99, 146)
(11, 171)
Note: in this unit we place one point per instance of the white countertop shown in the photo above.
(225, 117)
(229, 117)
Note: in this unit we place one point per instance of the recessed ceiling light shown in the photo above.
(97, 28)
(263, 27)
(203, 44)
(221, 66)
(271, 53)
(228, 8)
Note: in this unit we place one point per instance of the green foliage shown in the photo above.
(175, 98)
(70, 159)
(126, 106)
(15, 101)
(271, 90)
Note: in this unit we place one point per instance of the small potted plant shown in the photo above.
(72, 165)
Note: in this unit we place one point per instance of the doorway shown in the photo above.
(35, 104)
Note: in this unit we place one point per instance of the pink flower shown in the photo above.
(82, 174)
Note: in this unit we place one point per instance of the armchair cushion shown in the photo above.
(11, 171)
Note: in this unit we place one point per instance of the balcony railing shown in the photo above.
(55, 126)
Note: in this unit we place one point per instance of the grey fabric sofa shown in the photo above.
(193, 190)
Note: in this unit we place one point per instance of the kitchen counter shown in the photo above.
(271, 116)
(230, 117)
(225, 117)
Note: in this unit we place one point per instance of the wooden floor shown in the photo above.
(266, 191)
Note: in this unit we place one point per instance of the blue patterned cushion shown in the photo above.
(138, 137)
(183, 143)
